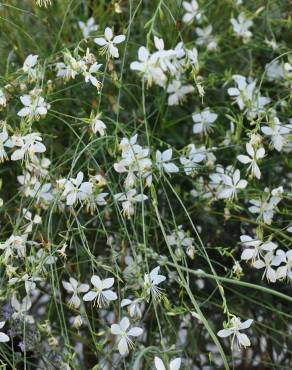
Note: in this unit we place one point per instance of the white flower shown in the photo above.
(269, 261)
(265, 208)
(13, 244)
(71, 66)
(76, 321)
(178, 92)
(101, 294)
(272, 43)
(42, 193)
(29, 282)
(192, 158)
(288, 70)
(90, 78)
(241, 27)
(3, 100)
(163, 161)
(234, 328)
(148, 67)
(171, 60)
(135, 160)
(205, 37)
(286, 271)
(192, 11)
(277, 133)
(28, 66)
(88, 27)
(36, 220)
(193, 58)
(97, 125)
(179, 238)
(254, 156)
(34, 107)
(76, 189)
(74, 287)
(29, 145)
(123, 331)
(274, 70)
(151, 282)
(175, 364)
(231, 185)
(133, 307)
(203, 121)
(243, 92)
(254, 248)
(128, 200)
(108, 43)
(248, 97)
(3, 337)
(4, 142)
(22, 308)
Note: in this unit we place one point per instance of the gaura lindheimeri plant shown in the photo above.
(145, 178)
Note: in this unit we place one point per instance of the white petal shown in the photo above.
(90, 296)
(259, 264)
(260, 153)
(96, 281)
(175, 364)
(123, 346)
(83, 288)
(68, 286)
(249, 149)
(247, 254)
(224, 333)
(135, 332)
(226, 193)
(246, 324)
(108, 283)
(166, 155)
(71, 198)
(243, 339)
(241, 184)
(232, 91)
(116, 329)
(119, 39)
(170, 167)
(158, 363)
(100, 41)
(4, 338)
(110, 295)
(187, 17)
(124, 323)
(125, 302)
(25, 100)
(23, 112)
(108, 34)
(244, 159)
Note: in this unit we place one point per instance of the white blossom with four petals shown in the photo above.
(101, 294)
(234, 328)
(124, 332)
(109, 42)
(251, 159)
(163, 161)
(203, 121)
(231, 184)
(88, 27)
(74, 287)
